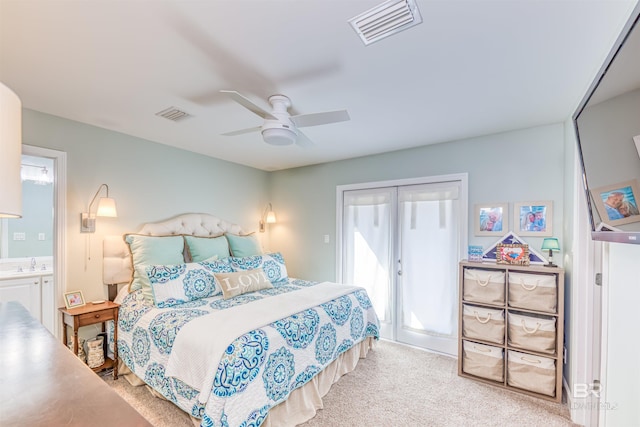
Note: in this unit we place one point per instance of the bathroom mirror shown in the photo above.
(607, 125)
(32, 235)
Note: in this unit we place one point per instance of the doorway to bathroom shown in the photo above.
(31, 247)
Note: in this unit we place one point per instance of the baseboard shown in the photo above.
(420, 348)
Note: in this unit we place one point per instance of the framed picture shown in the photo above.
(533, 218)
(475, 253)
(636, 140)
(512, 254)
(491, 219)
(73, 299)
(618, 203)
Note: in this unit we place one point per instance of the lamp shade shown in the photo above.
(107, 208)
(11, 149)
(551, 244)
(271, 217)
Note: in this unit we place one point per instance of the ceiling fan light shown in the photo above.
(279, 136)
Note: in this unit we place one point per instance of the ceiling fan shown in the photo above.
(280, 127)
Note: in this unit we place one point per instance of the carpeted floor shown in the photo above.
(395, 385)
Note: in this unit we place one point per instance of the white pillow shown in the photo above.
(176, 284)
(272, 264)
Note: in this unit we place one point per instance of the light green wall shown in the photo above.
(37, 218)
(152, 182)
(523, 165)
(149, 181)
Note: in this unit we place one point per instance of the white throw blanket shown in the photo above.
(200, 344)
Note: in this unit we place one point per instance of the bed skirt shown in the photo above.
(303, 402)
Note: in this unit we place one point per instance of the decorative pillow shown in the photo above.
(176, 284)
(153, 250)
(202, 248)
(242, 246)
(242, 282)
(272, 265)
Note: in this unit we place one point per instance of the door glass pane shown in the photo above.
(367, 245)
(429, 224)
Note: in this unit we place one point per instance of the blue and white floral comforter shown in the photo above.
(259, 369)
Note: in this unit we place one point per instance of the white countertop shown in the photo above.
(19, 275)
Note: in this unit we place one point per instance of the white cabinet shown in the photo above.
(48, 308)
(24, 290)
(35, 293)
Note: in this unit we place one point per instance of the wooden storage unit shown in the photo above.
(528, 310)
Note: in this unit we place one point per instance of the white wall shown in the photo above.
(582, 296)
(149, 181)
(620, 402)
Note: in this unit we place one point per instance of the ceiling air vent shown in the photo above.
(173, 114)
(386, 19)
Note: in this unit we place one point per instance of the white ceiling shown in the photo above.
(471, 68)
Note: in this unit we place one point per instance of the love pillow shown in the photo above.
(242, 282)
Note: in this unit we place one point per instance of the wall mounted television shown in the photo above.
(607, 125)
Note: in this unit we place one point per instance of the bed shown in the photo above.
(229, 337)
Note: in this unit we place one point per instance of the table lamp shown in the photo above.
(551, 244)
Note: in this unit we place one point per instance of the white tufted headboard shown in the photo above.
(117, 264)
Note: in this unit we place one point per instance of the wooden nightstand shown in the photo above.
(91, 314)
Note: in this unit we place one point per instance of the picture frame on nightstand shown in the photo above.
(73, 299)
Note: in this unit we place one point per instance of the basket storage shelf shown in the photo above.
(511, 327)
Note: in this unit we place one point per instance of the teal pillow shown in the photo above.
(142, 282)
(202, 248)
(153, 250)
(242, 246)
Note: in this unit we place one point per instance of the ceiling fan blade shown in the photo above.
(249, 105)
(241, 131)
(303, 141)
(315, 119)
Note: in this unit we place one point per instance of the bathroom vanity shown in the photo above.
(34, 290)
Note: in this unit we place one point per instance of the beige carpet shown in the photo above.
(395, 385)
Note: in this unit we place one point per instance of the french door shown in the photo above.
(402, 243)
